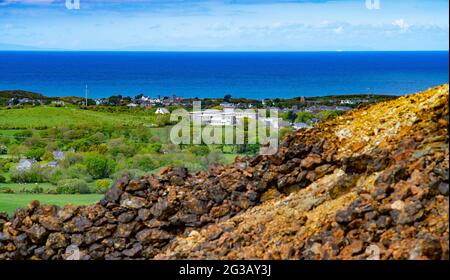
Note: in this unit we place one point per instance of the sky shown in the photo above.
(225, 25)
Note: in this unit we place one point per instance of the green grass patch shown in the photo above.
(229, 158)
(9, 132)
(163, 133)
(45, 117)
(19, 187)
(10, 202)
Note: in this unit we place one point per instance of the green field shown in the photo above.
(98, 146)
(45, 117)
(10, 202)
(18, 188)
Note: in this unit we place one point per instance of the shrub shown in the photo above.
(155, 148)
(35, 153)
(6, 190)
(102, 186)
(71, 159)
(120, 146)
(48, 156)
(77, 171)
(33, 175)
(99, 166)
(3, 150)
(305, 117)
(72, 186)
(199, 150)
(324, 115)
(284, 131)
(5, 140)
(162, 120)
(36, 189)
(34, 142)
(51, 191)
(2, 179)
(55, 175)
(102, 149)
(144, 162)
(21, 136)
(8, 166)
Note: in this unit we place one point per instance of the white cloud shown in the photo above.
(402, 24)
(339, 30)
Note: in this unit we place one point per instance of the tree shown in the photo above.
(305, 117)
(199, 150)
(3, 149)
(162, 120)
(217, 107)
(227, 98)
(284, 131)
(126, 100)
(289, 116)
(324, 115)
(114, 100)
(72, 186)
(144, 162)
(36, 153)
(16, 150)
(99, 166)
(21, 136)
(102, 186)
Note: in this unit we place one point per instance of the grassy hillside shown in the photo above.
(102, 144)
(45, 117)
(20, 94)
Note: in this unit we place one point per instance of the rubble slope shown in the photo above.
(371, 184)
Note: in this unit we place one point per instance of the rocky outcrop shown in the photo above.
(372, 184)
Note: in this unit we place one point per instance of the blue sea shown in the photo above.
(208, 74)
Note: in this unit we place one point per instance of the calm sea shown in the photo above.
(250, 75)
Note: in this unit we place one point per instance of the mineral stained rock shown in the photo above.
(371, 184)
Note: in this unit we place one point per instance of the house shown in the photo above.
(101, 101)
(265, 101)
(177, 99)
(51, 164)
(226, 105)
(166, 101)
(349, 102)
(343, 108)
(58, 103)
(58, 155)
(301, 125)
(25, 164)
(162, 111)
(24, 100)
(132, 105)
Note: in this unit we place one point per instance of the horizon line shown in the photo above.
(221, 51)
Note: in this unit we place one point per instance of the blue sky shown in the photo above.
(225, 25)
